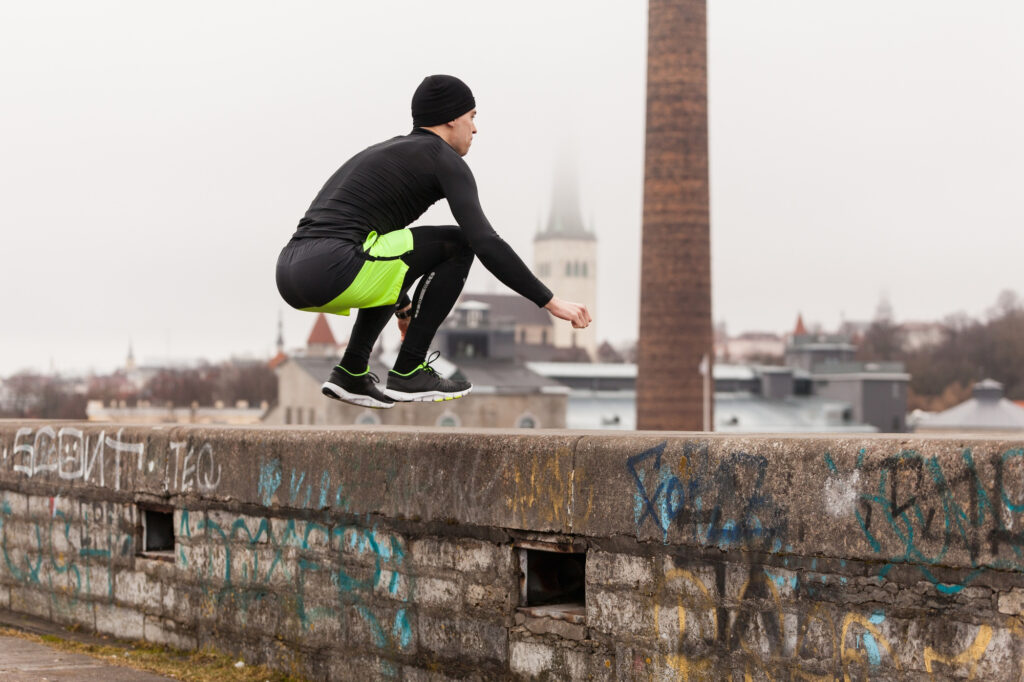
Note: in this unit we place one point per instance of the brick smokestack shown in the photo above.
(675, 280)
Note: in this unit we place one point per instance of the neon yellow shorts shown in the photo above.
(379, 281)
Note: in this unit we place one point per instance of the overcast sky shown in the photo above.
(155, 158)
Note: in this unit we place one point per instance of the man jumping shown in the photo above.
(354, 249)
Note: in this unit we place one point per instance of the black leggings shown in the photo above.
(442, 258)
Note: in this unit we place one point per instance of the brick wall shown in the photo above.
(398, 554)
(675, 280)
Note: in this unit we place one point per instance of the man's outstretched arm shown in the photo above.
(497, 256)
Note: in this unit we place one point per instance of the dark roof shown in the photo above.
(511, 307)
(505, 376)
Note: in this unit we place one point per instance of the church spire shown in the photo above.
(565, 220)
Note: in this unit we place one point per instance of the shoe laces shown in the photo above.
(426, 366)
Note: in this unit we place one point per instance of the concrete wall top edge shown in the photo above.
(941, 502)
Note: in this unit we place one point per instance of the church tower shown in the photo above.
(565, 259)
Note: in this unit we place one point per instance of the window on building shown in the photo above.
(287, 415)
(568, 269)
(584, 269)
(312, 416)
(544, 336)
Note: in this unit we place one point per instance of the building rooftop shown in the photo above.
(986, 410)
(504, 307)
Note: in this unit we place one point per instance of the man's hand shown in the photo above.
(403, 322)
(567, 310)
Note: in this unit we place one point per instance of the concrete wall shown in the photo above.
(368, 554)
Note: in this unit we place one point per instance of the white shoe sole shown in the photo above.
(425, 396)
(338, 393)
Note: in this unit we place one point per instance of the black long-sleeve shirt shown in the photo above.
(389, 185)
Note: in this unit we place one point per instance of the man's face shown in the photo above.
(463, 130)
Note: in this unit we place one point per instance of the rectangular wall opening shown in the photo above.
(553, 582)
(157, 533)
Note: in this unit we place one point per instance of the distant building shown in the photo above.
(146, 413)
(986, 410)
(749, 346)
(565, 259)
(877, 391)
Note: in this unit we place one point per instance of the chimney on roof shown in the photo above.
(988, 390)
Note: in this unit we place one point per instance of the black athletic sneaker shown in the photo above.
(356, 389)
(424, 385)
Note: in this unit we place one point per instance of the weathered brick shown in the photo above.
(168, 633)
(624, 570)
(393, 585)
(436, 592)
(189, 524)
(29, 600)
(619, 613)
(489, 596)
(557, 627)
(463, 555)
(1012, 602)
(119, 622)
(465, 638)
(530, 659)
(13, 505)
(5, 596)
(310, 535)
(138, 591)
(382, 626)
(68, 609)
(97, 581)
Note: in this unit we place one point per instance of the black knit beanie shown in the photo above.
(440, 99)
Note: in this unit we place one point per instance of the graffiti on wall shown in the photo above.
(911, 508)
(751, 617)
(104, 459)
(721, 503)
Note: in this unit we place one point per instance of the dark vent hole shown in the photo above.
(555, 578)
(158, 530)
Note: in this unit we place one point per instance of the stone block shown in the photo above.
(189, 524)
(168, 633)
(463, 555)
(589, 664)
(438, 593)
(620, 570)
(69, 610)
(490, 597)
(29, 600)
(1012, 602)
(370, 547)
(619, 613)
(382, 626)
(345, 668)
(5, 597)
(465, 638)
(304, 534)
(137, 591)
(13, 505)
(557, 627)
(119, 622)
(97, 581)
(394, 585)
(531, 659)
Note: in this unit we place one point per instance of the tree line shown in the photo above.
(32, 395)
(966, 351)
